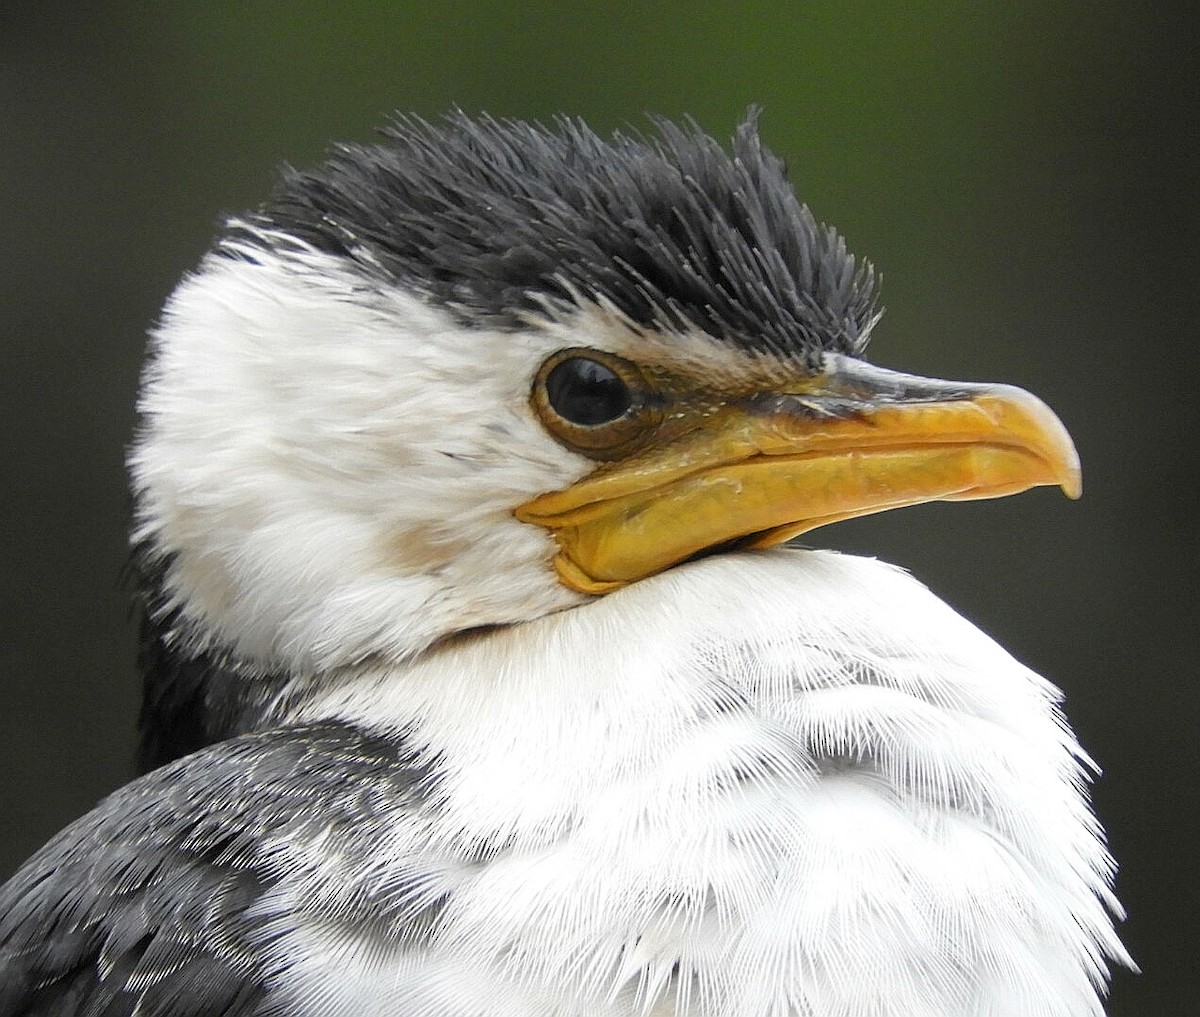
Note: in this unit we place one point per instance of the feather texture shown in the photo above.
(813, 790)
(495, 217)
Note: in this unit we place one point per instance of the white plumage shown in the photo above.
(336, 465)
(912, 838)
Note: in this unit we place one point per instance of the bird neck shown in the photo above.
(802, 728)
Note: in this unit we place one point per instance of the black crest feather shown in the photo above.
(497, 218)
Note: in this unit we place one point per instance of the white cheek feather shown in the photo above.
(813, 789)
(332, 466)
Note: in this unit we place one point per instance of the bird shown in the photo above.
(484, 670)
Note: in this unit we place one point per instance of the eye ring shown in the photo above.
(595, 403)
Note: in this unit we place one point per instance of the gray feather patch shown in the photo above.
(146, 904)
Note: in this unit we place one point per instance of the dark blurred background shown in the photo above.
(1024, 175)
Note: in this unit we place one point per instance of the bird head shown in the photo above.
(484, 371)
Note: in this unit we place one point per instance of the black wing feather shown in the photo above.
(145, 904)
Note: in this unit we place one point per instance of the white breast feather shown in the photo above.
(760, 784)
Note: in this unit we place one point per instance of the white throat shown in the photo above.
(763, 783)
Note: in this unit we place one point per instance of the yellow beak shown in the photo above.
(759, 469)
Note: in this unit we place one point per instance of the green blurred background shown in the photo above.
(1024, 175)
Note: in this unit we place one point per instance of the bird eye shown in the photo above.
(586, 392)
(595, 403)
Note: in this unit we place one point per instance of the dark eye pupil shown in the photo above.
(586, 392)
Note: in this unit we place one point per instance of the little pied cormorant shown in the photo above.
(480, 681)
